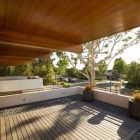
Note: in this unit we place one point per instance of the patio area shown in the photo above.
(67, 118)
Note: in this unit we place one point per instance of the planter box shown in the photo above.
(134, 109)
(88, 95)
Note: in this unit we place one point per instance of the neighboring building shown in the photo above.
(113, 75)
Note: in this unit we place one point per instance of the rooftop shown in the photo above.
(67, 118)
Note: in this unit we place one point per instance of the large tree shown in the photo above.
(5, 70)
(22, 70)
(45, 69)
(102, 69)
(119, 66)
(133, 74)
(62, 63)
(103, 50)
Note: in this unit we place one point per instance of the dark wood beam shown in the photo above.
(34, 42)
(20, 51)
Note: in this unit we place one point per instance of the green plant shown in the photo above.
(133, 75)
(88, 88)
(136, 97)
(66, 85)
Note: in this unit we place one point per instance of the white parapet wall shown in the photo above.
(111, 98)
(24, 98)
(29, 97)
(21, 84)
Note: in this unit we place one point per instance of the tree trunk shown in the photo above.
(92, 76)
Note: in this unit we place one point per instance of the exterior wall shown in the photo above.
(25, 98)
(17, 99)
(16, 85)
(111, 98)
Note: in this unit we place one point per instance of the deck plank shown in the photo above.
(13, 130)
(59, 126)
(74, 121)
(55, 133)
(66, 134)
(30, 123)
(19, 133)
(8, 130)
(106, 131)
(30, 133)
(3, 130)
(84, 128)
(37, 126)
(80, 132)
(49, 135)
(23, 130)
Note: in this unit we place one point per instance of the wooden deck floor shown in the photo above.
(76, 120)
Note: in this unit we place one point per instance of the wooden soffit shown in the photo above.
(35, 28)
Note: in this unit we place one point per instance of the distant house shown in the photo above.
(113, 75)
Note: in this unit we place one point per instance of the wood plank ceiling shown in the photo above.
(34, 28)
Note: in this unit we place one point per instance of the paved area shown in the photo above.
(67, 120)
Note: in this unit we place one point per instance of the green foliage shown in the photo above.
(102, 69)
(72, 72)
(133, 75)
(5, 70)
(67, 85)
(124, 76)
(18, 70)
(23, 70)
(119, 66)
(45, 69)
(62, 63)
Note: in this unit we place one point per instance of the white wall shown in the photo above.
(111, 98)
(17, 99)
(24, 98)
(16, 85)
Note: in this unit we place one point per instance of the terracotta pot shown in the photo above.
(88, 95)
(134, 109)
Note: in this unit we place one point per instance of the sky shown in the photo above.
(129, 55)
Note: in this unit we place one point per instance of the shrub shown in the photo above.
(124, 76)
(136, 97)
(88, 88)
(134, 75)
(66, 85)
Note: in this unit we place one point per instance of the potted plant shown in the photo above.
(88, 93)
(134, 106)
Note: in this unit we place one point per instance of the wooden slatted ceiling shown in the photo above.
(63, 24)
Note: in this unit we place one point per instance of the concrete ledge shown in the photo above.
(13, 100)
(29, 97)
(111, 98)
